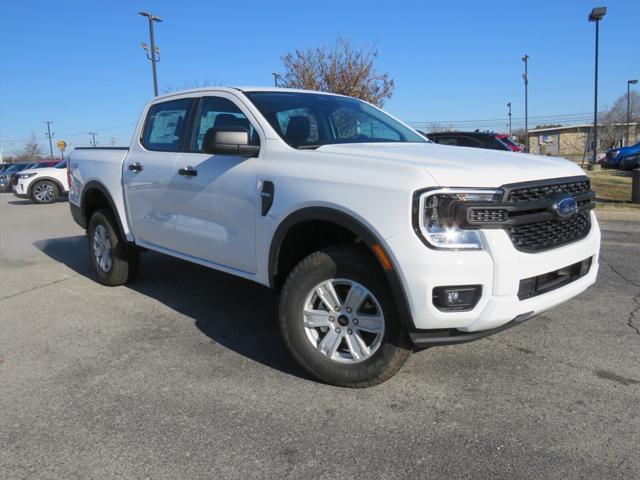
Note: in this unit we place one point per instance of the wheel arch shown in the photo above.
(35, 181)
(359, 231)
(95, 196)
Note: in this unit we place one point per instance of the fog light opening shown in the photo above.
(457, 297)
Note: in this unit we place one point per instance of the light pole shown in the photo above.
(154, 54)
(525, 77)
(509, 105)
(49, 136)
(629, 83)
(596, 15)
(276, 77)
(93, 139)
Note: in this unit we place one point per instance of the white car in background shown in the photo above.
(42, 185)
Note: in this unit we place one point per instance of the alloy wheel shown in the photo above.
(343, 320)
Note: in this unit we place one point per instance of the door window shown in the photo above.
(219, 112)
(165, 125)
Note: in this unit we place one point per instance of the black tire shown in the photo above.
(353, 264)
(124, 258)
(44, 191)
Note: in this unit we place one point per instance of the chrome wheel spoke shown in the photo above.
(357, 347)
(328, 295)
(330, 343)
(316, 318)
(355, 297)
(370, 323)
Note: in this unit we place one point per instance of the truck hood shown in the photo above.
(462, 166)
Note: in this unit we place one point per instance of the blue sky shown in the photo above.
(80, 64)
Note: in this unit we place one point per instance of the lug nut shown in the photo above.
(349, 331)
(355, 321)
(338, 330)
(331, 319)
(348, 309)
(337, 309)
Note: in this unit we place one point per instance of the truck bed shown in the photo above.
(103, 165)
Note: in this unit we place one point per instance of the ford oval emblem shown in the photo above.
(565, 207)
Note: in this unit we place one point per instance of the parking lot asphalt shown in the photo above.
(182, 375)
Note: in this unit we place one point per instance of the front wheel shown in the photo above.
(44, 191)
(339, 320)
(113, 261)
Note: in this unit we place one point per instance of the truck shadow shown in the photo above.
(235, 313)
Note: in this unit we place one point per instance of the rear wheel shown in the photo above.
(339, 320)
(44, 191)
(113, 261)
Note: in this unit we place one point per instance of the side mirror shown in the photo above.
(230, 140)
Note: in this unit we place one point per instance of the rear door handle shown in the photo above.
(188, 172)
(135, 167)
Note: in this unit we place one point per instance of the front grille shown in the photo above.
(547, 234)
(541, 192)
(485, 215)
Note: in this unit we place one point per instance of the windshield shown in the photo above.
(61, 164)
(309, 120)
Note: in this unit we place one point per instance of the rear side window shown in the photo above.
(165, 125)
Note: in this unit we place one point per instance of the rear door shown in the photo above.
(217, 199)
(150, 170)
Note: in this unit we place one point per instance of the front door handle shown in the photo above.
(135, 167)
(188, 172)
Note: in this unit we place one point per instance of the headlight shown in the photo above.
(435, 222)
(22, 176)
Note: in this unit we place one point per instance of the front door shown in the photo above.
(216, 195)
(150, 170)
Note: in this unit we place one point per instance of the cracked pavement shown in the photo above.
(183, 375)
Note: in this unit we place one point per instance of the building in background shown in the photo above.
(573, 140)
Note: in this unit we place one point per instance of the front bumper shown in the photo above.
(20, 190)
(498, 269)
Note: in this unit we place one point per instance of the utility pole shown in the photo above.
(596, 15)
(276, 77)
(525, 77)
(49, 136)
(112, 141)
(154, 53)
(93, 139)
(629, 83)
(509, 105)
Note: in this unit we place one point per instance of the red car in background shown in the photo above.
(508, 142)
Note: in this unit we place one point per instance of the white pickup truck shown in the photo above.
(380, 241)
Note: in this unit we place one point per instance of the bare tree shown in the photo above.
(614, 121)
(32, 150)
(434, 127)
(341, 69)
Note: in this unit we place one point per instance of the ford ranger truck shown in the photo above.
(379, 241)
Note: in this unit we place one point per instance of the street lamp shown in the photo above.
(596, 15)
(153, 54)
(525, 77)
(276, 77)
(629, 83)
(509, 105)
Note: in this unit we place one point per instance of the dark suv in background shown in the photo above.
(470, 139)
